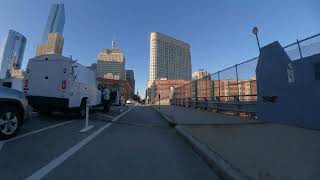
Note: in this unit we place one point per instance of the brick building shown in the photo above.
(165, 89)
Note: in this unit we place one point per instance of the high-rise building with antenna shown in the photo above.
(111, 63)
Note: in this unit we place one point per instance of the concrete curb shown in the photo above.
(172, 122)
(222, 167)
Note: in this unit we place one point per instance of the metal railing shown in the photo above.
(235, 88)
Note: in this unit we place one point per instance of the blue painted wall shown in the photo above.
(288, 91)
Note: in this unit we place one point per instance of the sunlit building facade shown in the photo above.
(53, 45)
(198, 74)
(169, 58)
(111, 64)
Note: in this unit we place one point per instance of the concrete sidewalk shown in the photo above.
(247, 148)
(183, 115)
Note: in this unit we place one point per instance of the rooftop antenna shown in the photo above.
(114, 41)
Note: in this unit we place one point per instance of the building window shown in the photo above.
(317, 71)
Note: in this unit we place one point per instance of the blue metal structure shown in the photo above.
(288, 91)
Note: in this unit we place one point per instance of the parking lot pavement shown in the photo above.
(43, 138)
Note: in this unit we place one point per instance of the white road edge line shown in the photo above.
(33, 132)
(59, 160)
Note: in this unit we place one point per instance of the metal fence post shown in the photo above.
(238, 96)
(206, 78)
(219, 83)
(299, 49)
(219, 100)
(194, 90)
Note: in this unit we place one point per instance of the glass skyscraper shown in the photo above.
(55, 22)
(11, 54)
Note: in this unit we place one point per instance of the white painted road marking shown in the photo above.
(33, 132)
(59, 160)
(106, 116)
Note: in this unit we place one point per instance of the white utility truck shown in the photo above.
(54, 82)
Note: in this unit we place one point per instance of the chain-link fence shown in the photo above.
(231, 89)
(235, 88)
(303, 48)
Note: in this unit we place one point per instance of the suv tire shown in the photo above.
(10, 121)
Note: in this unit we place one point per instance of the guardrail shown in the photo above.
(235, 88)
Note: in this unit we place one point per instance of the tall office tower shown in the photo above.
(55, 22)
(111, 63)
(11, 54)
(54, 45)
(130, 78)
(169, 58)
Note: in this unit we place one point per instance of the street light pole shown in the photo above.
(255, 32)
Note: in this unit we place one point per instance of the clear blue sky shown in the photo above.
(219, 32)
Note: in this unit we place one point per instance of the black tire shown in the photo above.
(9, 113)
(82, 110)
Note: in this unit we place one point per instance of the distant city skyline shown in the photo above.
(219, 32)
(11, 53)
(55, 21)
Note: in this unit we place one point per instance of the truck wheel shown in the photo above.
(10, 121)
(83, 112)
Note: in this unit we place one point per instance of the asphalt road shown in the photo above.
(136, 144)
